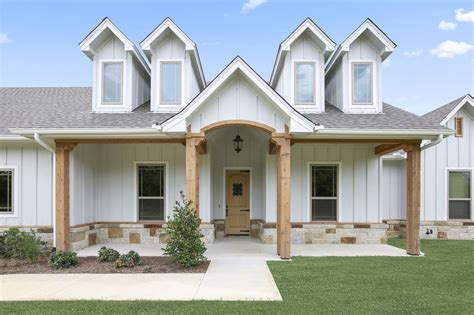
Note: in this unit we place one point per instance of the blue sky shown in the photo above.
(433, 63)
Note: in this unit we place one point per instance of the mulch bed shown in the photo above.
(91, 265)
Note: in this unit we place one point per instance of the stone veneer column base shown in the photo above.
(126, 233)
(46, 233)
(329, 233)
(449, 230)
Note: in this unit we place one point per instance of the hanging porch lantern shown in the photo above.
(238, 142)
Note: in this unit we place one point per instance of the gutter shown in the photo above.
(432, 143)
(52, 151)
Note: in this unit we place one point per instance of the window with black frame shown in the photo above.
(151, 192)
(6, 191)
(324, 197)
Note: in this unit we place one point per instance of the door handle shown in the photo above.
(248, 210)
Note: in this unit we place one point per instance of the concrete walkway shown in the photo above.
(238, 271)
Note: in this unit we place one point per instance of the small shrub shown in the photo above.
(20, 245)
(184, 244)
(107, 254)
(129, 260)
(62, 259)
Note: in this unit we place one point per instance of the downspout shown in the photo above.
(52, 151)
(432, 143)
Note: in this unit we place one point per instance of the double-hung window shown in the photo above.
(324, 196)
(170, 82)
(6, 191)
(362, 83)
(151, 192)
(460, 194)
(304, 83)
(112, 83)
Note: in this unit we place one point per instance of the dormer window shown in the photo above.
(170, 82)
(362, 83)
(305, 83)
(112, 83)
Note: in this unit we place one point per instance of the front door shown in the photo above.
(237, 211)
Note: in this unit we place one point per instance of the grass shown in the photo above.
(440, 282)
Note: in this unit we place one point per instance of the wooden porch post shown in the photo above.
(283, 151)
(195, 145)
(413, 199)
(62, 194)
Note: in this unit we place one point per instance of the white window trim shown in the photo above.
(446, 189)
(308, 187)
(111, 106)
(241, 168)
(16, 186)
(371, 105)
(167, 211)
(158, 85)
(315, 103)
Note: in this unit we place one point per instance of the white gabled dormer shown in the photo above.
(121, 75)
(177, 75)
(354, 72)
(298, 73)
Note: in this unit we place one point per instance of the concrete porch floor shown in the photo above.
(236, 247)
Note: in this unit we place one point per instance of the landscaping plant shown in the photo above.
(20, 245)
(107, 254)
(129, 260)
(62, 259)
(184, 244)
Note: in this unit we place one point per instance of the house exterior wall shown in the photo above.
(238, 99)
(303, 49)
(111, 169)
(452, 153)
(394, 189)
(34, 184)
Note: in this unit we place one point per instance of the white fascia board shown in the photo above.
(14, 138)
(235, 65)
(375, 30)
(106, 23)
(466, 100)
(381, 134)
(188, 43)
(90, 132)
(286, 44)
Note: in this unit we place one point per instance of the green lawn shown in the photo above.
(440, 282)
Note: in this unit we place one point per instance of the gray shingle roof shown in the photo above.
(68, 107)
(440, 113)
(392, 118)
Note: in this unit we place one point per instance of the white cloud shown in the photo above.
(414, 53)
(450, 49)
(4, 38)
(446, 26)
(462, 16)
(251, 5)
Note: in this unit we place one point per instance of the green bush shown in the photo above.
(184, 244)
(20, 245)
(62, 259)
(107, 254)
(129, 260)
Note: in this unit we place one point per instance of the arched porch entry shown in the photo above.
(214, 140)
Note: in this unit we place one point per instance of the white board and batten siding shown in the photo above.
(238, 99)
(34, 184)
(171, 48)
(394, 189)
(452, 153)
(303, 49)
(136, 82)
(105, 179)
(339, 79)
(358, 180)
